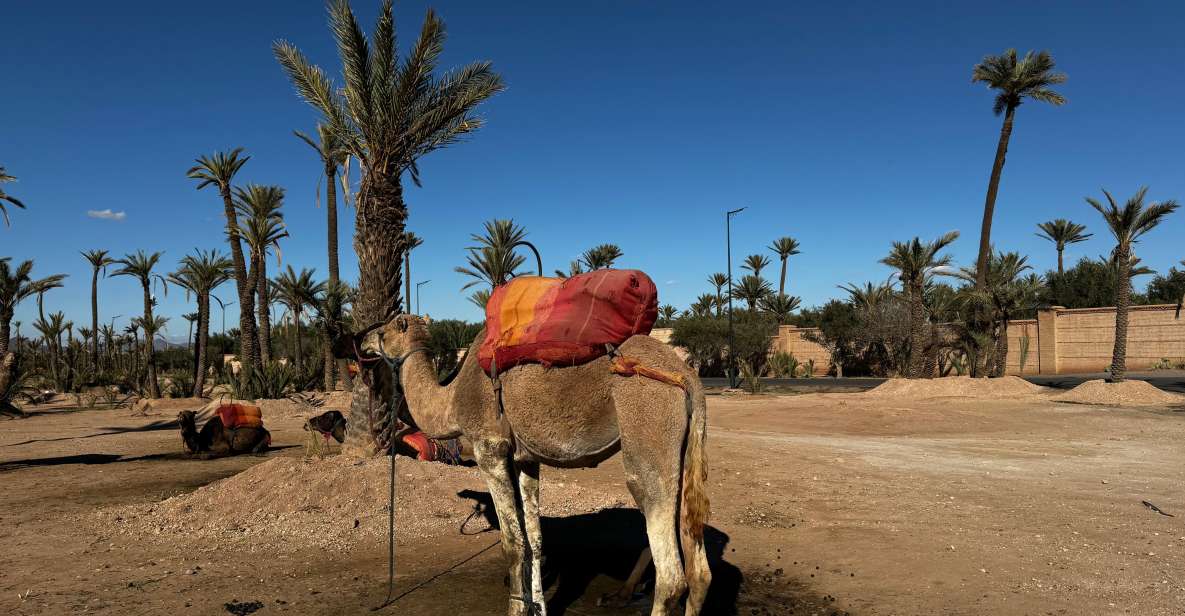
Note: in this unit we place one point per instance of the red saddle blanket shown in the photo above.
(240, 416)
(565, 322)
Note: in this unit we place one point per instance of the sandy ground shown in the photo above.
(822, 504)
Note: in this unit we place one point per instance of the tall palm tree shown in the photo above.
(751, 289)
(601, 256)
(99, 261)
(494, 261)
(702, 307)
(412, 241)
(1063, 233)
(140, 266)
(756, 263)
(262, 227)
(200, 273)
(780, 306)
(784, 247)
(297, 291)
(1128, 223)
(388, 114)
(332, 156)
(16, 285)
(1014, 79)
(5, 197)
(719, 281)
(915, 261)
(219, 171)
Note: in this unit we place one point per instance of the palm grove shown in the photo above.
(388, 112)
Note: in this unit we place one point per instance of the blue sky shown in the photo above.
(844, 126)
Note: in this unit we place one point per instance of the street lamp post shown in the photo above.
(418, 285)
(731, 336)
(223, 307)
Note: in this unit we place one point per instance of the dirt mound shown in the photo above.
(1127, 393)
(957, 386)
(334, 504)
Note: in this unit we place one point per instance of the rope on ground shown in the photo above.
(428, 581)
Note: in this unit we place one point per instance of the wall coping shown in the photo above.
(1105, 309)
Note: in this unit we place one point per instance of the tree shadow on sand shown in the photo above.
(109, 458)
(590, 555)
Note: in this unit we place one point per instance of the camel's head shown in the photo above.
(186, 419)
(396, 337)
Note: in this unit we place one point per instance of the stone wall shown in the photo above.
(1058, 341)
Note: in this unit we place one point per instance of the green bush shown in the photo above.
(274, 381)
(706, 340)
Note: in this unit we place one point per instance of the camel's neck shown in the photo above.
(429, 402)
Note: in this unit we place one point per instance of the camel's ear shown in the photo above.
(401, 323)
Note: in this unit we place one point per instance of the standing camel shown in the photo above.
(563, 417)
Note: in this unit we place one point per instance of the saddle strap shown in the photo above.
(625, 365)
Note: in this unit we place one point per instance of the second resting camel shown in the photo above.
(565, 417)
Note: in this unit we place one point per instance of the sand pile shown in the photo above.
(335, 504)
(1127, 393)
(957, 386)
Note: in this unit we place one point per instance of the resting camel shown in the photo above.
(217, 440)
(563, 417)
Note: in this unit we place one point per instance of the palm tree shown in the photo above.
(667, 313)
(1127, 223)
(719, 281)
(493, 261)
(332, 156)
(702, 307)
(17, 285)
(296, 291)
(140, 266)
(601, 256)
(201, 273)
(4, 179)
(99, 261)
(411, 241)
(262, 227)
(780, 306)
(575, 268)
(1006, 294)
(756, 263)
(219, 170)
(752, 289)
(480, 298)
(915, 261)
(869, 296)
(1014, 80)
(388, 114)
(784, 247)
(1063, 233)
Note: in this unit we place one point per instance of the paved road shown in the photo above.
(1168, 380)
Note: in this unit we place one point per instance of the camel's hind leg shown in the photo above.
(653, 421)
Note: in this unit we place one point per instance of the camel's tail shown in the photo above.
(694, 507)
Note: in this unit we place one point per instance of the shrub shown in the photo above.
(751, 378)
(705, 338)
(808, 369)
(274, 381)
(782, 364)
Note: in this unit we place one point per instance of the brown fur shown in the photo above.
(215, 439)
(571, 417)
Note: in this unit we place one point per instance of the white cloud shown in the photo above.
(106, 214)
(672, 282)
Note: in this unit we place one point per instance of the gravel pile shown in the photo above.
(958, 386)
(1127, 393)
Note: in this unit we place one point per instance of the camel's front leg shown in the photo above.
(528, 485)
(493, 458)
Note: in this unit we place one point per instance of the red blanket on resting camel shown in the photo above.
(240, 416)
(565, 322)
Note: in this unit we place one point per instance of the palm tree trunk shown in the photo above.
(1001, 356)
(407, 281)
(330, 362)
(94, 318)
(259, 271)
(378, 240)
(719, 303)
(5, 331)
(1061, 268)
(298, 354)
(1123, 300)
(782, 280)
(150, 356)
(917, 332)
(248, 337)
(203, 343)
(331, 219)
(989, 205)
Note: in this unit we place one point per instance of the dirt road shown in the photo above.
(822, 504)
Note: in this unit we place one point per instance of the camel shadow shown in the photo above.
(170, 424)
(590, 555)
(108, 458)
